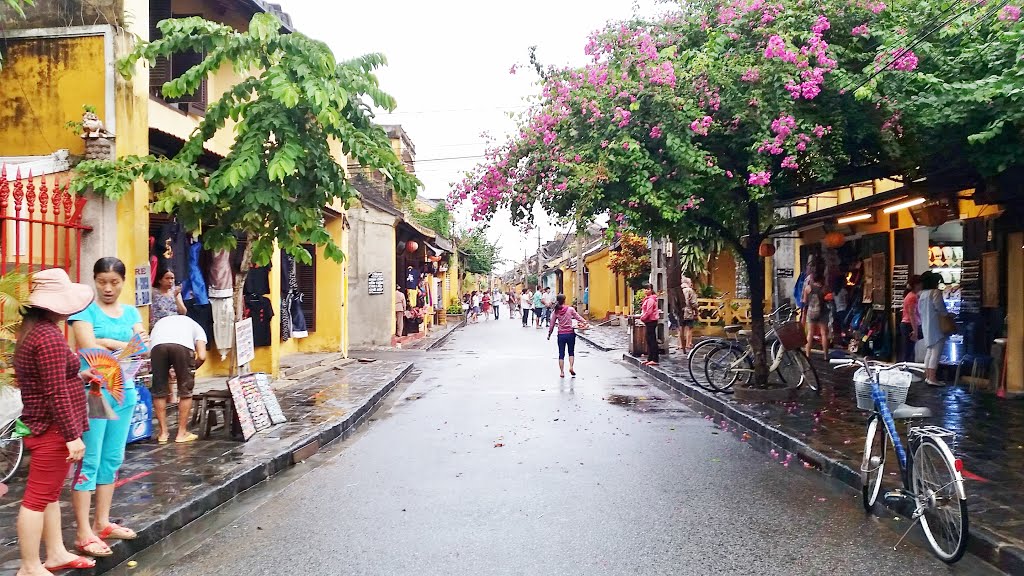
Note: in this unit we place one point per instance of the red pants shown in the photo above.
(47, 469)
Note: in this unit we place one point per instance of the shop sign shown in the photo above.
(375, 283)
(255, 404)
(784, 272)
(244, 342)
(143, 287)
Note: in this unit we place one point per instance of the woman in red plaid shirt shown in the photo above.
(47, 373)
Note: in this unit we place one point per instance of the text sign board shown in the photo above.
(376, 283)
(250, 395)
(143, 286)
(784, 272)
(244, 342)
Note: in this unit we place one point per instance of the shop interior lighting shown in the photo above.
(904, 204)
(854, 218)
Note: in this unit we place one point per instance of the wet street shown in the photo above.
(485, 462)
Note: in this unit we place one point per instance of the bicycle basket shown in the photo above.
(792, 336)
(895, 384)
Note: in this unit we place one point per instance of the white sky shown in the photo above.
(448, 68)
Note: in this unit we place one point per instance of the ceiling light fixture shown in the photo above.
(854, 218)
(904, 204)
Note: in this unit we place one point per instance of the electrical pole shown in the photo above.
(538, 255)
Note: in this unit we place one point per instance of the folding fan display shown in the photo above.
(136, 347)
(109, 369)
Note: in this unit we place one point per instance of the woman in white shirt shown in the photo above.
(525, 305)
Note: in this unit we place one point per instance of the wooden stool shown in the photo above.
(207, 404)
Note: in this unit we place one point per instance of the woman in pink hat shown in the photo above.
(47, 372)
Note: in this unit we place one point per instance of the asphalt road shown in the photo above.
(488, 463)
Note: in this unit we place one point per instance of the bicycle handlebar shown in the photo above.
(875, 365)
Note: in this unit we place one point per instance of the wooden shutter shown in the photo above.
(181, 63)
(159, 72)
(305, 275)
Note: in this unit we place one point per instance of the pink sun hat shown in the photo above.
(53, 290)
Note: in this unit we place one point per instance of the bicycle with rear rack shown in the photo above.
(11, 450)
(697, 354)
(731, 361)
(932, 477)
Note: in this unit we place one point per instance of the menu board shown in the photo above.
(970, 287)
(250, 407)
(245, 345)
(900, 276)
(269, 400)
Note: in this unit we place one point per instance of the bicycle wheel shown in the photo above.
(872, 466)
(697, 358)
(11, 450)
(725, 366)
(936, 482)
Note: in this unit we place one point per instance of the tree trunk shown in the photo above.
(674, 285)
(755, 278)
(238, 298)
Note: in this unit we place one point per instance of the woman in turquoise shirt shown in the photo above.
(106, 323)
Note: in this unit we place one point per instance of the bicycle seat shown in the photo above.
(907, 411)
(732, 329)
(744, 333)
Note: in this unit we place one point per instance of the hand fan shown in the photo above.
(108, 368)
(136, 346)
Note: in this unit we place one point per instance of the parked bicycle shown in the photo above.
(695, 359)
(11, 450)
(732, 361)
(931, 475)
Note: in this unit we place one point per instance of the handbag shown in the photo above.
(947, 324)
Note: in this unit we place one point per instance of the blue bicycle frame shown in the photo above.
(882, 407)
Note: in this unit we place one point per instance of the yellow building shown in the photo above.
(59, 63)
(608, 292)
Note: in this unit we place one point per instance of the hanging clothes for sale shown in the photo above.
(257, 281)
(289, 291)
(223, 315)
(153, 264)
(220, 278)
(412, 278)
(298, 318)
(171, 249)
(261, 310)
(220, 282)
(193, 285)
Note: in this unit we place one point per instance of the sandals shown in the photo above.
(111, 533)
(79, 563)
(83, 546)
(190, 438)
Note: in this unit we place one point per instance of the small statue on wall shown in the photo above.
(92, 126)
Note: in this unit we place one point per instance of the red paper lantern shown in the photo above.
(766, 250)
(411, 246)
(834, 240)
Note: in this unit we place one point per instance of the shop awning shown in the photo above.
(437, 251)
(444, 244)
(873, 202)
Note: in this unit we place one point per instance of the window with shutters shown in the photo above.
(166, 69)
(305, 274)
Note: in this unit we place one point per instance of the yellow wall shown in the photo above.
(43, 85)
(603, 287)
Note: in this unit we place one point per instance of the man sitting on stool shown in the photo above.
(174, 342)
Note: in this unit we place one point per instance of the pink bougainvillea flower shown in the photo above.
(861, 30)
(763, 178)
(751, 75)
(1010, 13)
(656, 132)
(604, 143)
(625, 145)
(789, 163)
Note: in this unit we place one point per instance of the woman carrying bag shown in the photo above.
(936, 325)
(55, 413)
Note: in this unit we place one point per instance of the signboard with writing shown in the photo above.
(269, 400)
(244, 342)
(247, 396)
(143, 286)
(376, 283)
(784, 272)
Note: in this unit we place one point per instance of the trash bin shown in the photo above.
(638, 338)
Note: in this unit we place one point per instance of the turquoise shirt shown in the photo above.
(537, 302)
(103, 326)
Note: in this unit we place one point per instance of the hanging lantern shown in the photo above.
(766, 250)
(834, 240)
(411, 246)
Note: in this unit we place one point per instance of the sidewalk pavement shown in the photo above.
(436, 337)
(827, 433)
(162, 488)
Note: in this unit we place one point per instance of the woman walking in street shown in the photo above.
(525, 305)
(104, 324)
(485, 306)
(474, 306)
(564, 316)
(55, 412)
(689, 315)
(166, 296)
(649, 315)
(816, 297)
(932, 308)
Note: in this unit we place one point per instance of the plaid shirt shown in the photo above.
(52, 391)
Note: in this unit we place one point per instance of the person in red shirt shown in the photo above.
(52, 391)
(910, 327)
(649, 315)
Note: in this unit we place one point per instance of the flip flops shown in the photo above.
(108, 533)
(79, 563)
(82, 545)
(190, 438)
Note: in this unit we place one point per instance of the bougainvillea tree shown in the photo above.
(695, 124)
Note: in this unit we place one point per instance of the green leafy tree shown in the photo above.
(694, 125)
(295, 101)
(18, 7)
(481, 255)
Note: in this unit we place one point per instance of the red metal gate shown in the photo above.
(40, 223)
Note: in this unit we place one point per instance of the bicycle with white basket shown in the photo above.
(931, 475)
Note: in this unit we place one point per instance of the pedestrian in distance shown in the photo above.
(932, 309)
(474, 306)
(497, 301)
(513, 304)
(563, 316)
(816, 300)
(177, 342)
(485, 306)
(538, 307)
(401, 303)
(108, 324)
(52, 390)
(548, 301)
(689, 315)
(525, 305)
(910, 327)
(649, 315)
(167, 299)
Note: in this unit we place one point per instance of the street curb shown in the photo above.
(983, 543)
(600, 347)
(437, 343)
(262, 469)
